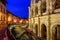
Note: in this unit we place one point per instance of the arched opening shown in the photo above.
(32, 13)
(43, 32)
(36, 29)
(56, 33)
(56, 5)
(43, 6)
(37, 1)
(36, 10)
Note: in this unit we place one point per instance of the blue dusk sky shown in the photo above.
(18, 7)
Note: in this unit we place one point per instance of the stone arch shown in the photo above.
(36, 29)
(56, 32)
(44, 31)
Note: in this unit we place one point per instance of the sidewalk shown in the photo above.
(3, 35)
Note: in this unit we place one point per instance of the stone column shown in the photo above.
(48, 32)
(32, 2)
(47, 6)
(33, 24)
(34, 10)
(29, 12)
(48, 28)
(47, 11)
(33, 6)
(38, 26)
(39, 8)
(52, 6)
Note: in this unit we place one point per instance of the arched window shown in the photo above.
(57, 4)
(36, 1)
(32, 12)
(56, 32)
(36, 10)
(43, 6)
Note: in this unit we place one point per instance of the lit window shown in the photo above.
(0, 8)
(20, 21)
(9, 18)
(15, 20)
(0, 16)
(26, 21)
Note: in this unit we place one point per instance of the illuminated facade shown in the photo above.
(8, 18)
(13, 19)
(3, 17)
(44, 18)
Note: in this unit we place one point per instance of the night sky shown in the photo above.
(18, 7)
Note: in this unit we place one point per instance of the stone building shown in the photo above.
(3, 16)
(44, 18)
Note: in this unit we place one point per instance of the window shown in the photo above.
(0, 7)
(43, 6)
(36, 10)
(4, 18)
(0, 18)
(36, 28)
(57, 4)
(4, 11)
(56, 32)
(32, 12)
(44, 31)
(36, 1)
